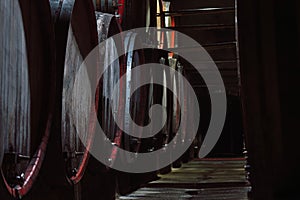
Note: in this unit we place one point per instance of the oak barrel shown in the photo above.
(135, 105)
(100, 180)
(27, 89)
(138, 107)
(76, 37)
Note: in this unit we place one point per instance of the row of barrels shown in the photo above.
(43, 44)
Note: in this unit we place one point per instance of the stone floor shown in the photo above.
(209, 179)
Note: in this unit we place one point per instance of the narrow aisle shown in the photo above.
(200, 179)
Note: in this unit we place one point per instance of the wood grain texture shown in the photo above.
(27, 76)
(135, 105)
(135, 108)
(15, 89)
(76, 36)
(107, 26)
(99, 180)
(76, 106)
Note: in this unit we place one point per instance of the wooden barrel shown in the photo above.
(158, 95)
(76, 37)
(182, 135)
(177, 88)
(27, 88)
(108, 26)
(100, 181)
(137, 106)
(187, 107)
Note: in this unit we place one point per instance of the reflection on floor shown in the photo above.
(209, 179)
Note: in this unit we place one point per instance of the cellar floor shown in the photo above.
(209, 179)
